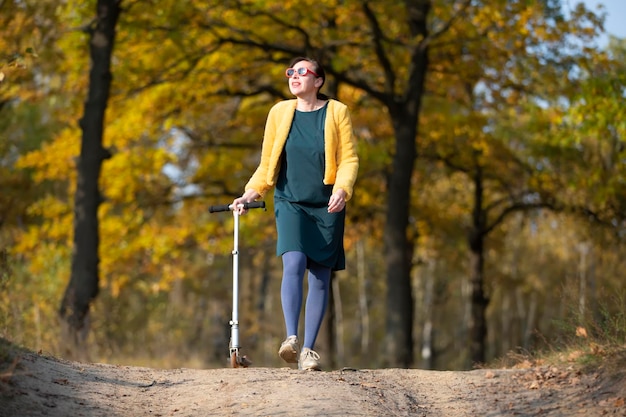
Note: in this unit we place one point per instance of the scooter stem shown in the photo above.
(234, 323)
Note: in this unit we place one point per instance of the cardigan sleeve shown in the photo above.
(347, 158)
(258, 181)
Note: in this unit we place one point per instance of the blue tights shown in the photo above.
(291, 293)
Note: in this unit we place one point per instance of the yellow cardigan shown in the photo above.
(342, 162)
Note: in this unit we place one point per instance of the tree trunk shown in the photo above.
(399, 321)
(428, 311)
(327, 339)
(529, 325)
(364, 317)
(583, 248)
(83, 286)
(507, 333)
(478, 301)
(338, 322)
(404, 113)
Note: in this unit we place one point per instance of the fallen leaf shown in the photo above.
(526, 364)
(596, 349)
(563, 375)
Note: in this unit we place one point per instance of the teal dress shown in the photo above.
(303, 222)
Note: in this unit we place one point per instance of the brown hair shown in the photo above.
(317, 68)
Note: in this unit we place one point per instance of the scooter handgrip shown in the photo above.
(227, 207)
(254, 204)
(221, 207)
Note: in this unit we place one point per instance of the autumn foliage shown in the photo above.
(516, 197)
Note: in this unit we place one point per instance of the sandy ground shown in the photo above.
(37, 385)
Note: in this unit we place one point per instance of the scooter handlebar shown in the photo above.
(228, 207)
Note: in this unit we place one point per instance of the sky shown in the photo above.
(615, 23)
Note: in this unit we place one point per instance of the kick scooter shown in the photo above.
(236, 360)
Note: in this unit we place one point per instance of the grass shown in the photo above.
(8, 362)
(7, 353)
(591, 343)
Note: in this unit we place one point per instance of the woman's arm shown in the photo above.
(258, 181)
(347, 158)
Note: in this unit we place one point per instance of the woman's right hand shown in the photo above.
(247, 197)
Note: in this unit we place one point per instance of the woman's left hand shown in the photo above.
(337, 201)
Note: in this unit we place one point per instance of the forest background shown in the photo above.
(488, 217)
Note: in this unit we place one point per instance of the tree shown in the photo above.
(499, 78)
(22, 110)
(404, 108)
(83, 285)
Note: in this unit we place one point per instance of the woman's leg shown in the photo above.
(294, 266)
(317, 298)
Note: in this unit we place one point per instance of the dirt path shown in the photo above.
(45, 386)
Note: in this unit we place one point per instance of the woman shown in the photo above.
(309, 156)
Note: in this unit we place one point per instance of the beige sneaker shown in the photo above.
(309, 360)
(289, 350)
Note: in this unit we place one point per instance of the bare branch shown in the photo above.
(390, 77)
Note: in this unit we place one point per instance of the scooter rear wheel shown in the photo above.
(234, 362)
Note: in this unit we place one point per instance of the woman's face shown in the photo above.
(302, 85)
